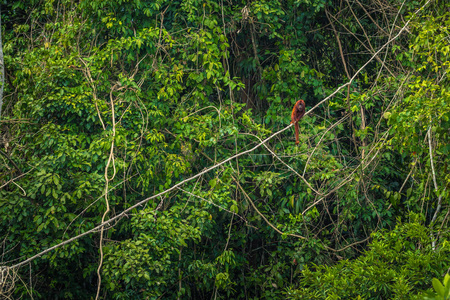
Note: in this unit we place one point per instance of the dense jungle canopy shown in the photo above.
(146, 150)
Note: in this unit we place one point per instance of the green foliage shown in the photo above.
(399, 263)
(425, 107)
(146, 265)
(442, 290)
(129, 98)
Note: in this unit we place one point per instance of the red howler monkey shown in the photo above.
(297, 113)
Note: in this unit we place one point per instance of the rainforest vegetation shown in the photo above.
(146, 150)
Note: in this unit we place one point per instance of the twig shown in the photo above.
(212, 203)
(363, 165)
(289, 167)
(262, 216)
(318, 143)
(15, 178)
(390, 34)
(350, 245)
(372, 58)
(95, 201)
(11, 161)
(290, 234)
